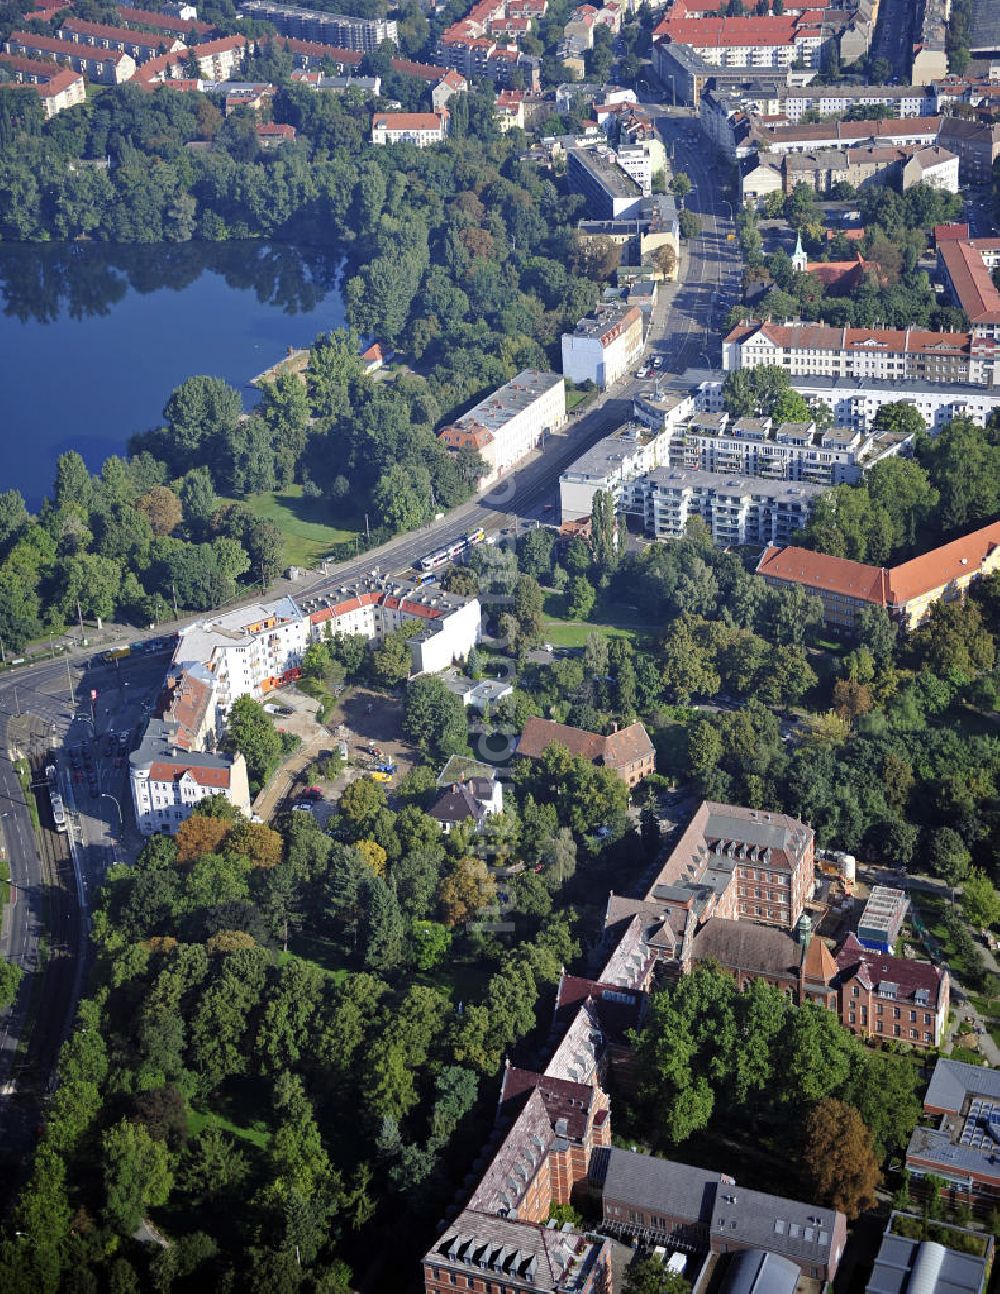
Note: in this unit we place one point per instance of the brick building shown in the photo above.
(963, 1149)
(629, 752)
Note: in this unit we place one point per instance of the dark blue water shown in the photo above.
(94, 338)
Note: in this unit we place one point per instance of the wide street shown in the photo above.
(91, 757)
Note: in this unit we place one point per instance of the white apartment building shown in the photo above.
(612, 465)
(418, 128)
(511, 422)
(836, 100)
(789, 451)
(817, 136)
(445, 627)
(752, 42)
(642, 161)
(854, 402)
(737, 510)
(603, 346)
(881, 354)
(167, 781)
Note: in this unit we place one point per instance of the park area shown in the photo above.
(305, 524)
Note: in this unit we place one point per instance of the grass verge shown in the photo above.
(304, 523)
(199, 1120)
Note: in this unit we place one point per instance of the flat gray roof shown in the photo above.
(608, 174)
(985, 34)
(924, 1267)
(953, 1081)
(692, 478)
(659, 1185)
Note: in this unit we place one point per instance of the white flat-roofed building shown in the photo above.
(737, 509)
(510, 423)
(609, 190)
(613, 465)
(788, 451)
(339, 30)
(603, 346)
(418, 128)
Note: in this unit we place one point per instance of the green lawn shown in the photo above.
(200, 1120)
(575, 396)
(574, 633)
(305, 523)
(325, 953)
(611, 621)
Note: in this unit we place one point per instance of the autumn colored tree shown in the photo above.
(229, 941)
(373, 854)
(838, 1158)
(851, 698)
(162, 509)
(256, 842)
(198, 835)
(469, 888)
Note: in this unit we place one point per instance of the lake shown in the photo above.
(93, 338)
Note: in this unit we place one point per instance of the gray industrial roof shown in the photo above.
(660, 1185)
(924, 1267)
(985, 34)
(804, 1232)
(953, 1081)
(754, 1271)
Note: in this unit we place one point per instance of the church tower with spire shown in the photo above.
(799, 259)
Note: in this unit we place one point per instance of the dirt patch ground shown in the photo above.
(378, 718)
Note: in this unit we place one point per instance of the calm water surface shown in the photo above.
(93, 338)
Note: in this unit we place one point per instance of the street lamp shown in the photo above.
(106, 795)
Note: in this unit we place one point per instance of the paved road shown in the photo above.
(894, 36)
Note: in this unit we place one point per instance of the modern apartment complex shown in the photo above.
(854, 401)
(787, 451)
(875, 354)
(604, 345)
(511, 422)
(906, 591)
(252, 651)
(365, 34)
(615, 464)
(418, 128)
(738, 510)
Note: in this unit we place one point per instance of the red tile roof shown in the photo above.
(727, 32)
(164, 22)
(949, 233)
(854, 961)
(220, 46)
(313, 49)
(615, 751)
(50, 45)
(937, 569)
(815, 336)
(123, 35)
(173, 771)
(821, 571)
(971, 281)
(408, 120)
(274, 130)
